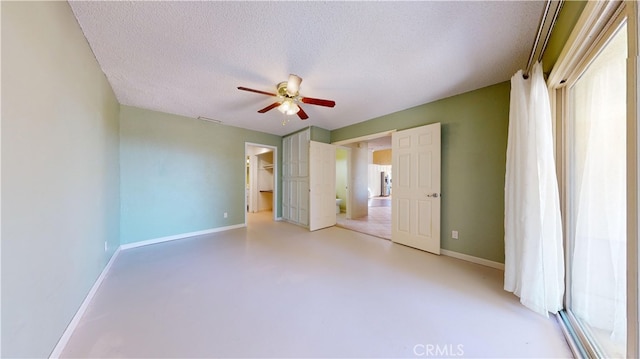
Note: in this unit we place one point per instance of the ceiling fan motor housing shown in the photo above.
(282, 90)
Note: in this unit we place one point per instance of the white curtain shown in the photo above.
(598, 266)
(534, 262)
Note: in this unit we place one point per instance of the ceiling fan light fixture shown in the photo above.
(288, 107)
(293, 85)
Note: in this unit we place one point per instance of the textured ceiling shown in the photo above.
(372, 58)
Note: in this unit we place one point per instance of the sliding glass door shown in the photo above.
(594, 95)
(596, 196)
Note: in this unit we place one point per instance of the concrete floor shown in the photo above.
(277, 290)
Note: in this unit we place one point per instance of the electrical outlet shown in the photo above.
(225, 215)
(106, 247)
(454, 234)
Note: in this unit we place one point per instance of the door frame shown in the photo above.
(348, 189)
(370, 137)
(343, 144)
(274, 207)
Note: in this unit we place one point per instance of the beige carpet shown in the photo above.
(276, 290)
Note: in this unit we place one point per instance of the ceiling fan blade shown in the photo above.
(303, 115)
(318, 101)
(270, 107)
(256, 91)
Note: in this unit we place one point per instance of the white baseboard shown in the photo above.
(468, 258)
(180, 236)
(64, 339)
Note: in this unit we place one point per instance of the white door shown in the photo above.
(322, 185)
(416, 188)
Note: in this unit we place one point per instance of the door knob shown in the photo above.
(433, 195)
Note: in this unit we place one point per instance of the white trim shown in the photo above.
(372, 136)
(472, 259)
(633, 204)
(276, 166)
(578, 50)
(180, 236)
(64, 339)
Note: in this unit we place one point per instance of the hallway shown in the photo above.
(377, 223)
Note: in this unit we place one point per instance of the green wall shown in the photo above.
(316, 133)
(474, 142)
(320, 135)
(179, 174)
(60, 192)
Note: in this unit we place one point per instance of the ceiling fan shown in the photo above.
(289, 99)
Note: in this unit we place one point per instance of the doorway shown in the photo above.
(364, 165)
(342, 182)
(260, 180)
